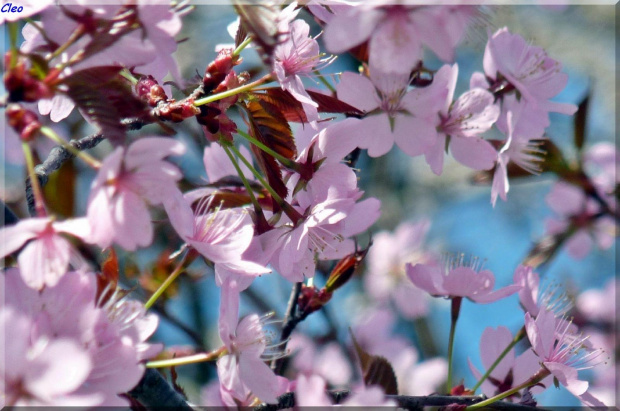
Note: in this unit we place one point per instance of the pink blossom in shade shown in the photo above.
(601, 162)
(112, 335)
(458, 279)
(590, 302)
(42, 371)
(328, 361)
(330, 216)
(459, 124)
(512, 370)
(562, 353)
(47, 254)
(128, 178)
(297, 56)
(243, 372)
(575, 209)
(385, 278)
(28, 8)
(535, 75)
(392, 112)
(396, 32)
(310, 392)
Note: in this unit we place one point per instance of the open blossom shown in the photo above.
(47, 254)
(298, 55)
(329, 216)
(101, 346)
(391, 112)
(117, 210)
(533, 299)
(528, 69)
(385, 278)
(459, 124)
(562, 353)
(243, 372)
(458, 279)
(395, 33)
(512, 370)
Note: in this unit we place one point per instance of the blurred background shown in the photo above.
(581, 37)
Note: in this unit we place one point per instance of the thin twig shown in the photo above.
(291, 319)
(154, 391)
(59, 155)
(404, 401)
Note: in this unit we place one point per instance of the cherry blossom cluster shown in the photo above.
(277, 201)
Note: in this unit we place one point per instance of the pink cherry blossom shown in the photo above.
(396, 32)
(589, 302)
(47, 254)
(330, 215)
(528, 69)
(298, 55)
(127, 179)
(561, 353)
(385, 278)
(67, 318)
(243, 372)
(512, 370)
(459, 124)
(391, 112)
(221, 236)
(518, 149)
(458, 279)
(533, 299)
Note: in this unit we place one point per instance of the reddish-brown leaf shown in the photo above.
(292, 109)
(105, 98)
(107, 280)
(376, 370)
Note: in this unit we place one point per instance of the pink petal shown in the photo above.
(374, 134)
(350, 29)
(427, 277)
(435, 154)
(473, 152)
(394, 45)
(148, 149)
(579, 244)
(259, 378)
(358, 91)
(13, 237)
(568, 377)
(413, 135)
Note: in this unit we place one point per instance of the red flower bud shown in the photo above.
(24, 122)
(150, 91)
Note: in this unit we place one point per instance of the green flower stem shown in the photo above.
(510, 346)
(87, 158)
(241, 46)
(190, 359)
(286, 207)
(535, 379)
(39, 200)
(233, 92)
(246, 184)
(162, 288)
(454, 316)
(127, 74)
(13, 31)
(323, 80)
(285, 161)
